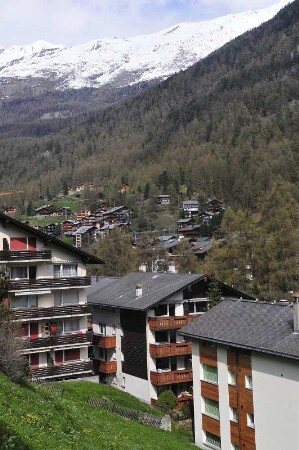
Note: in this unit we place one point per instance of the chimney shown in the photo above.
(142, 267)
(138, 290)
(296, 311)
(171, 267)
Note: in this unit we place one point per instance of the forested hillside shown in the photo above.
(227, 127)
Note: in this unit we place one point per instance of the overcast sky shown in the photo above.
(72, 22)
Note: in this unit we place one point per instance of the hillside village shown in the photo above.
(198, 222)
(149, 239)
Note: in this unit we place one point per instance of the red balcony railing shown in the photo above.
(170, 323)
(176, 376)
(50, 283)
(8, 256)
(108, 367)
(176, 349)
(104, 341)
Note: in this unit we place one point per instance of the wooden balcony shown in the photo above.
(171, 377)
(104, 341)
(170, 323)
(10, 256)
(48, 283)
(176, 349)
(58, 341)
(108, 367)
(23, 314)
(64, 370)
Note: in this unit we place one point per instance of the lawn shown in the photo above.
(32, 418)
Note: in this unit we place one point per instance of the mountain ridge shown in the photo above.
(125, 61)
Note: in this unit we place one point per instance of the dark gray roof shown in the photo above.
(155, 287)
(264, 327)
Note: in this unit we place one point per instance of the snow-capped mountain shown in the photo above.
(122, 62)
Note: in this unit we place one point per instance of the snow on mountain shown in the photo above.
(122, 62)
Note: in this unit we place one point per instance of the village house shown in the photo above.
(190, 208)
(136, 320)
(245, 358)
(45, 210)
(85, 235)
(162, 200)
(47, 295)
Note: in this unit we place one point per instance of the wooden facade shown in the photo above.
(241, 398)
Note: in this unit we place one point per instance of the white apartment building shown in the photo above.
(47, 295)
(245, 358)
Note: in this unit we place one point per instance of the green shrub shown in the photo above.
(167, 399)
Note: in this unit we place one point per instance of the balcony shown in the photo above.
(57, 341)
(64, 370)
(48, 283)
(10, 256)
(176, 349)
(170, 323)
(104, 341)
(106, 367)
(55, 312)
(171, 377)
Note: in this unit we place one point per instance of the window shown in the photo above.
(232, 377)
(102, 354)
(23, 243)
(161, 337)
(162, 364)
(18, 273)
(65, 270)
(24, 301)
(250, 420)
(209, 373)
(235, 447)
(197, 307)
(102, 329)
(71, 325)
(72, 354)
(66, 298)
(233, 414)
(211, 407)
(161, 310)
(212, 439)
(248, 381)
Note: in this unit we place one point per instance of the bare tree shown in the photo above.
(12, 362)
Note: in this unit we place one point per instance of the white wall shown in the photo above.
(276, 402)
(197, 394)
(223, 397)
(137, 387)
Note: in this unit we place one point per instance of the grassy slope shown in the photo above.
(33, 419)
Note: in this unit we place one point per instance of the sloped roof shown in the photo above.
(86, 257)
(155, 287)
(260, 326)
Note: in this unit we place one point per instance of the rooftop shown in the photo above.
(121, 292)
(260, 326)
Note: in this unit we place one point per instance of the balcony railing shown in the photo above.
(56, 341)
(48, 283)
(63, 370)
(176, 376)
(105, 366)
(52, 312)
(170, 323)
(176, 349)
(8, 256)
(104, 341)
